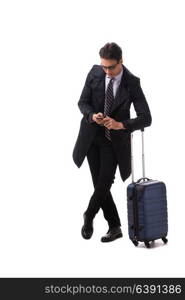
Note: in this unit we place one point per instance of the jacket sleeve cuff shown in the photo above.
(127, 125)
(90, 120)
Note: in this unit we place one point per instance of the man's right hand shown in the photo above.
(98, 118)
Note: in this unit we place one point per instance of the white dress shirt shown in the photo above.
(116, 82)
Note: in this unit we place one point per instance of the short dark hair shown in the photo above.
(111, 51)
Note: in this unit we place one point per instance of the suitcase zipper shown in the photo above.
(135, 215)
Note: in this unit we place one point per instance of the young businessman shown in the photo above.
(104, 136)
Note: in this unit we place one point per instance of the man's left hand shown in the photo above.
(112, 124)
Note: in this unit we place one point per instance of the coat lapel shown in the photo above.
(101, 92)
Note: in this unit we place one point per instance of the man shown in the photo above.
(104, 136)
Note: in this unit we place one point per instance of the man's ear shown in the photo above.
(121, 60)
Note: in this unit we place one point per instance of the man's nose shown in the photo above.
(108, 72)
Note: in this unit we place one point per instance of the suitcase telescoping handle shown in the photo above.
(143, 158)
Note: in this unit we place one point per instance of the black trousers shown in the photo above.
(103, 164)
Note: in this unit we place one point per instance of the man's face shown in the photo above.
(111, 67)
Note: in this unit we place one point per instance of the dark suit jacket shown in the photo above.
(92, 101)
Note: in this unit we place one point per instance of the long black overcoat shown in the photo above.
(92, 101)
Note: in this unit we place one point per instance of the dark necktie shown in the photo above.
(109, 98)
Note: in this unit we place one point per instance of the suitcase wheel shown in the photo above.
(147, 244)
(164, 240)
(135, 243)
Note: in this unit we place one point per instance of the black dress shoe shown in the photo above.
(112, 234)
(87, 228)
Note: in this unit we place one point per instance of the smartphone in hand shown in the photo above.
(100, 118)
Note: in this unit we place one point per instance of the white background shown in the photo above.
(47, 49)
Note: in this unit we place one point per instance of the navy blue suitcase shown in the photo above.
(147, 207)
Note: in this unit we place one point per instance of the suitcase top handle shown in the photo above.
(143, 178)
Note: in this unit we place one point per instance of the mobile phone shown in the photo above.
(100, 118)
